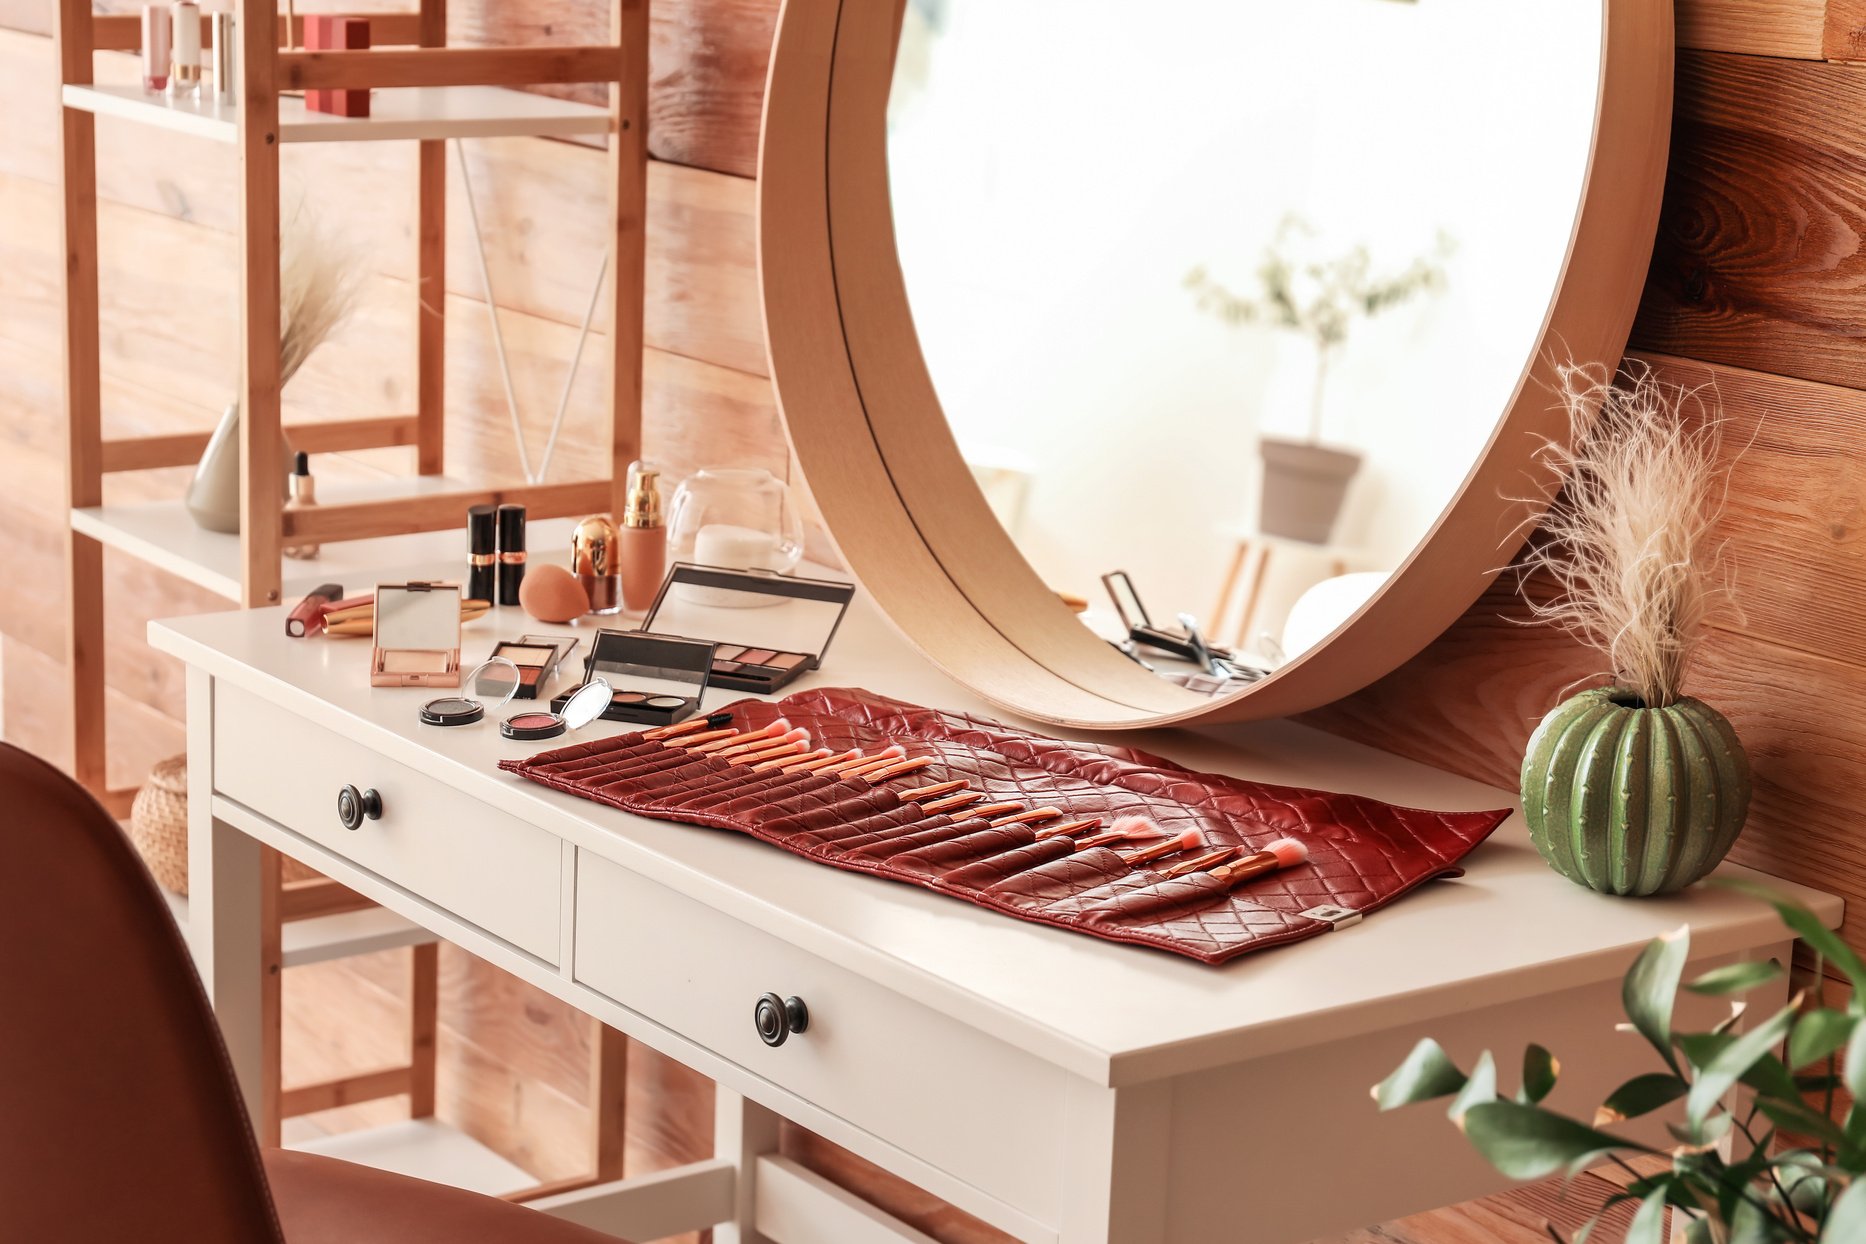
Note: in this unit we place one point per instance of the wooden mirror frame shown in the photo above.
(876, 449)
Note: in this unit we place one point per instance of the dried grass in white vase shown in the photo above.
(1630, 542)
(320, 278)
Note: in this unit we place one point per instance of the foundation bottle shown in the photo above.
(641, 550)
(301, 494)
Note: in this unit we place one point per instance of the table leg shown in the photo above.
(1115, 1170)
(226, 903)
(742, 1132)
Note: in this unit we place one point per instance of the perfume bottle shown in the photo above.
(642, 541)
(301, 494)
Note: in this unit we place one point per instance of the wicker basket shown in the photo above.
(159, 827)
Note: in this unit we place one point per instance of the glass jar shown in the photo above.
(740, 518)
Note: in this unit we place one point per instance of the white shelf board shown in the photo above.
(166, 536)
(395, 112)
(426, 1149)
(329, 937)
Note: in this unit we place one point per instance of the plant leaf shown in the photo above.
(1768, 1074)
(1808, 928)
(1478, 1089)
(1818, 1034)
(1704, 1135)
(1651, 987)
(1806, 1120)
(1427, 1073)
(1540, 1071)
(1528, 1142)
(1648, 1225)
(1640, 1095)
(1847, 1219)
(1733, 1062)
(1853, 1069)
(1736, 978)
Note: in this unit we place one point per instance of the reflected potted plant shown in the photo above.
(1305, 481)
(1732, 1174)
(1633, 788)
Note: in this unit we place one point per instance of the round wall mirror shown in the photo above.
(1154, 370)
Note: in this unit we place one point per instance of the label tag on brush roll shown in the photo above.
(1340, 917)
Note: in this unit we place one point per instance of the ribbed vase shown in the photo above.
(1632, 800)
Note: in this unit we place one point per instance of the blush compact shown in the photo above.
(417, 636)
(537, 658)
(579, 709)
(767, 629)
(655, 680)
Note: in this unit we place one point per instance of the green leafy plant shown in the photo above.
(1318, 297)
(1732, 1173)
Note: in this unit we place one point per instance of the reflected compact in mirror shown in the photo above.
(1268, 356)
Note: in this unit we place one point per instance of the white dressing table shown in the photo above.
(1064, 1089)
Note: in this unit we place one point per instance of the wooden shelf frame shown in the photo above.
(411, 52)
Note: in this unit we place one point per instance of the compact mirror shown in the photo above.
(1054, 293)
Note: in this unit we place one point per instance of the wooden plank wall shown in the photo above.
(1759, 287)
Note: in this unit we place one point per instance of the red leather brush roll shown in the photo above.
(1363, 854)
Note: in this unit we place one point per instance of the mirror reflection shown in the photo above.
(1223, 306)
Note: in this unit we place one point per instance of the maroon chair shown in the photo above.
(119, 1116)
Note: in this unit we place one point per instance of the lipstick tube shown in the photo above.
(482, 552)
(511, 522)
(156, 50)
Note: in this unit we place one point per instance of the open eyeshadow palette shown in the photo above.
(1102, 840)
(653, 679)
(768, 628)
(537, 658)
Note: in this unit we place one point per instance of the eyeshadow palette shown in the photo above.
(653, 679)
(768, 628)
(537, 658)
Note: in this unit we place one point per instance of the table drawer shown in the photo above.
(453, 851)
(982, 1111)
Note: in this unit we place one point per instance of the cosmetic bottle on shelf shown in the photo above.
(642, 540)
(185, 38)
(156, 51)
(301, 494)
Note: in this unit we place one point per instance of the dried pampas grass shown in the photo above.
(320, 278)
(1630, 541)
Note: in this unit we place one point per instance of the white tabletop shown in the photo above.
(1117, 1014)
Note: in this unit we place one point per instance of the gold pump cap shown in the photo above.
(643, 507)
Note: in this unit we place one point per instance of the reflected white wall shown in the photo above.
(1059, 165)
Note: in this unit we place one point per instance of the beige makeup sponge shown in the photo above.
(552, 594)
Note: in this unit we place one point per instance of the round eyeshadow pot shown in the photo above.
(460, 710)
(579, 711)
(452, 710)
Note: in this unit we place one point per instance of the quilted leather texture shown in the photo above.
(1363, 854)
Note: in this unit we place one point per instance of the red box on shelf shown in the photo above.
(325, 33)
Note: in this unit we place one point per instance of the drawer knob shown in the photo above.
(777, 1018)
(353, 805)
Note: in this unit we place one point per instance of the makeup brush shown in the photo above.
(920, 793)
(1159, 850)
(898, 768)
(693, 742)
(1031, 817)
(1127, 829)
(890, 754)
(1283, 853)
(784, 763)
(779, 731)
(778, 747)
(1197, 864)
(780, 726)
(952, 803)
(992, 810)
(821, 759)
(687, 727)
(1070, 827)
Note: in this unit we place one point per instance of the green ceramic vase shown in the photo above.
(1631, 800)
